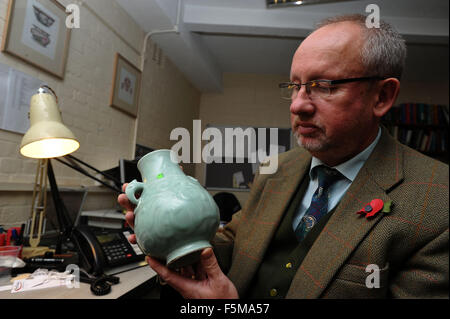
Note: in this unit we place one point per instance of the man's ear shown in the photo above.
(388, 90)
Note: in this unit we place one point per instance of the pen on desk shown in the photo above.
(46, 260)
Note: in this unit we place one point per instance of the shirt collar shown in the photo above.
(351, 167)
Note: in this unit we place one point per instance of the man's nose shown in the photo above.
(302, 103)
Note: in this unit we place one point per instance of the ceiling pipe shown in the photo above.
(152, 33)
(144, 51)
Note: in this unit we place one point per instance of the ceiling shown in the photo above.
(243, 36)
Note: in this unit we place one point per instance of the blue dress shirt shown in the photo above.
(348, 169)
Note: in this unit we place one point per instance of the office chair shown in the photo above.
(228, 205)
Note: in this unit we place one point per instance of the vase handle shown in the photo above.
(131, 190)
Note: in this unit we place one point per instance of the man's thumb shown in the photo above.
(210, 264)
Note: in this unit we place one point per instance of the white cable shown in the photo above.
(152, 33)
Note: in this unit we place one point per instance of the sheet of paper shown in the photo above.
(16, 89)
(42, 279)
(5, 288)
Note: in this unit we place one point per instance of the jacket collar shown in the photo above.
(350, 168)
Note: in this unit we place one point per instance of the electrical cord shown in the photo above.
(102, 285)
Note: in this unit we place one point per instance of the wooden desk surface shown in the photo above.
(128, 281)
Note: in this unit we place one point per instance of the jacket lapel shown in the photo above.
(345, 229)
(258, 229)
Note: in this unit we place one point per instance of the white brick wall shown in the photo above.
(105, 134)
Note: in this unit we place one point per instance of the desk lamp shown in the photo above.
(49, 138)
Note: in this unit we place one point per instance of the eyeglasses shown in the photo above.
(317, 88)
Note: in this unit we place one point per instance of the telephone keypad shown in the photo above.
(116, 248)
(117, 251)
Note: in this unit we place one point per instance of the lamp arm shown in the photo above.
(93, 168)
(82, 171)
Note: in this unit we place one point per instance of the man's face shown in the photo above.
(341, 125)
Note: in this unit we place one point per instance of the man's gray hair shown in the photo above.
(384, 49)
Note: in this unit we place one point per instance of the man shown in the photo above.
(349, 214)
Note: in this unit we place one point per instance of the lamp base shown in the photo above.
(29, 252)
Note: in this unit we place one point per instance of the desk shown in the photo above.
(129, 280)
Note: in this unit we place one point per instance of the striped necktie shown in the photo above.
(319, 202)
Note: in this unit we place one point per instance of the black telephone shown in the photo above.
(101, 249)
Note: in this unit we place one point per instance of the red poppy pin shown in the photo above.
(372, 208)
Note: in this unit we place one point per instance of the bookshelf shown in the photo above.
(423, 127)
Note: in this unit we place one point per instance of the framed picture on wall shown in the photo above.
(126, 86)
(36, 33)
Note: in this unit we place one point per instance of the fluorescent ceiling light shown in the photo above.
(287, 3)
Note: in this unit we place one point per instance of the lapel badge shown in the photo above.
(372, 208)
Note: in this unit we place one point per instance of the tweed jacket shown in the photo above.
(409, 245)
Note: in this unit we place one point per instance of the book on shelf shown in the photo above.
(418, 113)
(422, 139)
(420, 126)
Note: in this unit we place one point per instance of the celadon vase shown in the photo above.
(175, 217)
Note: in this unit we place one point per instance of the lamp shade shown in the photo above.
(47, 137)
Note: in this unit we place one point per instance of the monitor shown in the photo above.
(73, 201)
(129, 171)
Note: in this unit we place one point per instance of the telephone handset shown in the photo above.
(91, 256)
(100, 249)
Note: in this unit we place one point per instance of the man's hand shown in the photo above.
(129, 207)
(206, 282)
